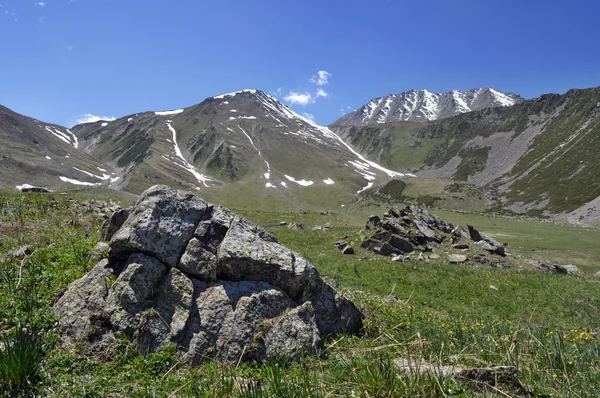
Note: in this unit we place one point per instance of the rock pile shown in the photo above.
(413, 229)
(182, 271)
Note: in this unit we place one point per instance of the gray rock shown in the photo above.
(328, 226)
(401, 243)
(460, 246)
(240, 326)
(348, 250)
(474, 234)
(434, 256)
(491, 261)
(504, 377)
(35, 189)
(129, 296)
(113, 224)
(165, 321)
(282, 223)
(459, 232)
(244, 255)
(341, 244)
(373, 222)
(215, 285)
(571, 270)
(161, 224)
(392, 226)
(457, 258)
(295, 226)
(491, 245)
(198, 261)
(597, 274)
(83, 299)
(398, 258)
(99, 252)
(317, 228)
(294, 335)
(424, 228)
(386, 249)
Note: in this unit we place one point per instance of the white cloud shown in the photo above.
(89, 118)
(41, 3)
(345, 110)
(68, 48)
(309, 116)
(299, 98)
(322, 93)
(321, 78)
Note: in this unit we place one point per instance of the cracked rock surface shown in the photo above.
(183, 271)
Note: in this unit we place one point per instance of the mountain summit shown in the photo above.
(421, 105)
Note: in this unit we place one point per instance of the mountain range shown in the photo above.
(529, 156)
(421, 105)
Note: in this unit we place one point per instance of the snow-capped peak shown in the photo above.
(422, 105)
(233, 94)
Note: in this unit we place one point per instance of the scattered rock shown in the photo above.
(182, 271)
(493, 287)
(457, 258)
(317, 228)
(434, 256)
(398, 258)
(282, 223)
(556, 268)
(295, 226)
(572, 270)
(499, 377)
(328, 226)
(474, 234)
(459, 232)
(489, 261)
(29, 188)
(341, 244)
(460, 246)
(373, 222)
(411, 229)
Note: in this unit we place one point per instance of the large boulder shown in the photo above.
(183, 272)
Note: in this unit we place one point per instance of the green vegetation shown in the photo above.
(473, 161)
(546, 325)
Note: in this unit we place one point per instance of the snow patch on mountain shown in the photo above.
(77, 182)
(167, 113)
(304, 183)
(186, 165)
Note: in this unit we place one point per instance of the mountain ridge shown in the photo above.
(422, 105)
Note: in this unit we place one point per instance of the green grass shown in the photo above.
(544, 324)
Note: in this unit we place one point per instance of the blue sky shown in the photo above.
(62, 59)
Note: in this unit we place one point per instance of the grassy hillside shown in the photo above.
(544, 324)
(537, 157)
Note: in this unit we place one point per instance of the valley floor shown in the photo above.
(545, 325)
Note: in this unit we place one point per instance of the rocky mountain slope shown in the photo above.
(42, 154)
(538, 156)
(421, 105)
(245, 142)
